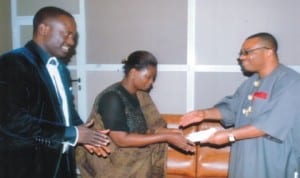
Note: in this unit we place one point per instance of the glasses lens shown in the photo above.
(243, 53)
(246, 52)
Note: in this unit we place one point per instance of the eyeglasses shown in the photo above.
(248, 51)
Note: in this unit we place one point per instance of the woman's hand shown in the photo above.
(178, 140)
(103, 151)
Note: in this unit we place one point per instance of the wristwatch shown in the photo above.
(231, 138)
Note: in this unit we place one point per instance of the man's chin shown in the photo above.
(62, 55)
(247, 72)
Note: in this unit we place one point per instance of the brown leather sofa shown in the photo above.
(206, 162)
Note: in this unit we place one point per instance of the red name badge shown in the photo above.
(260, 94)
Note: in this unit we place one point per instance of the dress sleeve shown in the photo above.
(112, 111)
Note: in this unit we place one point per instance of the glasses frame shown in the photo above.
(248, 51)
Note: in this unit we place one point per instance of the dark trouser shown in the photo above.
(32, 164)
(67, 166)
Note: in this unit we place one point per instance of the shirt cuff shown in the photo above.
(77, 136)
(71, 136)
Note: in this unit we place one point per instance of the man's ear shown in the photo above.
(43, 29)
(270, 52)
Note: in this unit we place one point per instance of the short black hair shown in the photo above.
(48, 12)
(266, 37)
(139, 60)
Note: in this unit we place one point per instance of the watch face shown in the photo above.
(231, 138)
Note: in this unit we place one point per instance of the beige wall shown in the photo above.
(29, 7)
(116, 28)
(196, 42)
(5, 26)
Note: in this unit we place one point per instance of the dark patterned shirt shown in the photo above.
(120, 110)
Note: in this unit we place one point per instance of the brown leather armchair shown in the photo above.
(206, 162)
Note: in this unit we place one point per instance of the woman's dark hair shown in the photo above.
(139, 60)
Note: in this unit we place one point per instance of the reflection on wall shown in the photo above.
(116, 28)
(26, 34)
(221, 27)
(5, 27)
(29, 7)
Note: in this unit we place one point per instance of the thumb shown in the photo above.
(89, 123)
(104, 131)
(182, 122)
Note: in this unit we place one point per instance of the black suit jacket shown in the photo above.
(32, 127)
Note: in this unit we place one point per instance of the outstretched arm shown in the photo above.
(200, 115)
(124, 139)
(222, 136)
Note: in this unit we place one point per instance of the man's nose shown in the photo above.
(242, 57)
(71, 40)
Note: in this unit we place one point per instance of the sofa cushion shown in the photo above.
(206, 162)
(180, 164)
(212, 161)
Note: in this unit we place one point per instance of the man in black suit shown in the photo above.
(39, 126)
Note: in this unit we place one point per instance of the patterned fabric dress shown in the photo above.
(138, 162)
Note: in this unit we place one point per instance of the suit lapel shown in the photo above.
(33, 57)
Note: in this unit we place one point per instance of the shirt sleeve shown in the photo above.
(228, 107)
(112, 111)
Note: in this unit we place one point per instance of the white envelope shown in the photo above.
(201, 135)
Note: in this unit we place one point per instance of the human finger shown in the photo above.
(102, 151)
(89, 123)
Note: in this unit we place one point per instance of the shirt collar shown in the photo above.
(42, 53)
